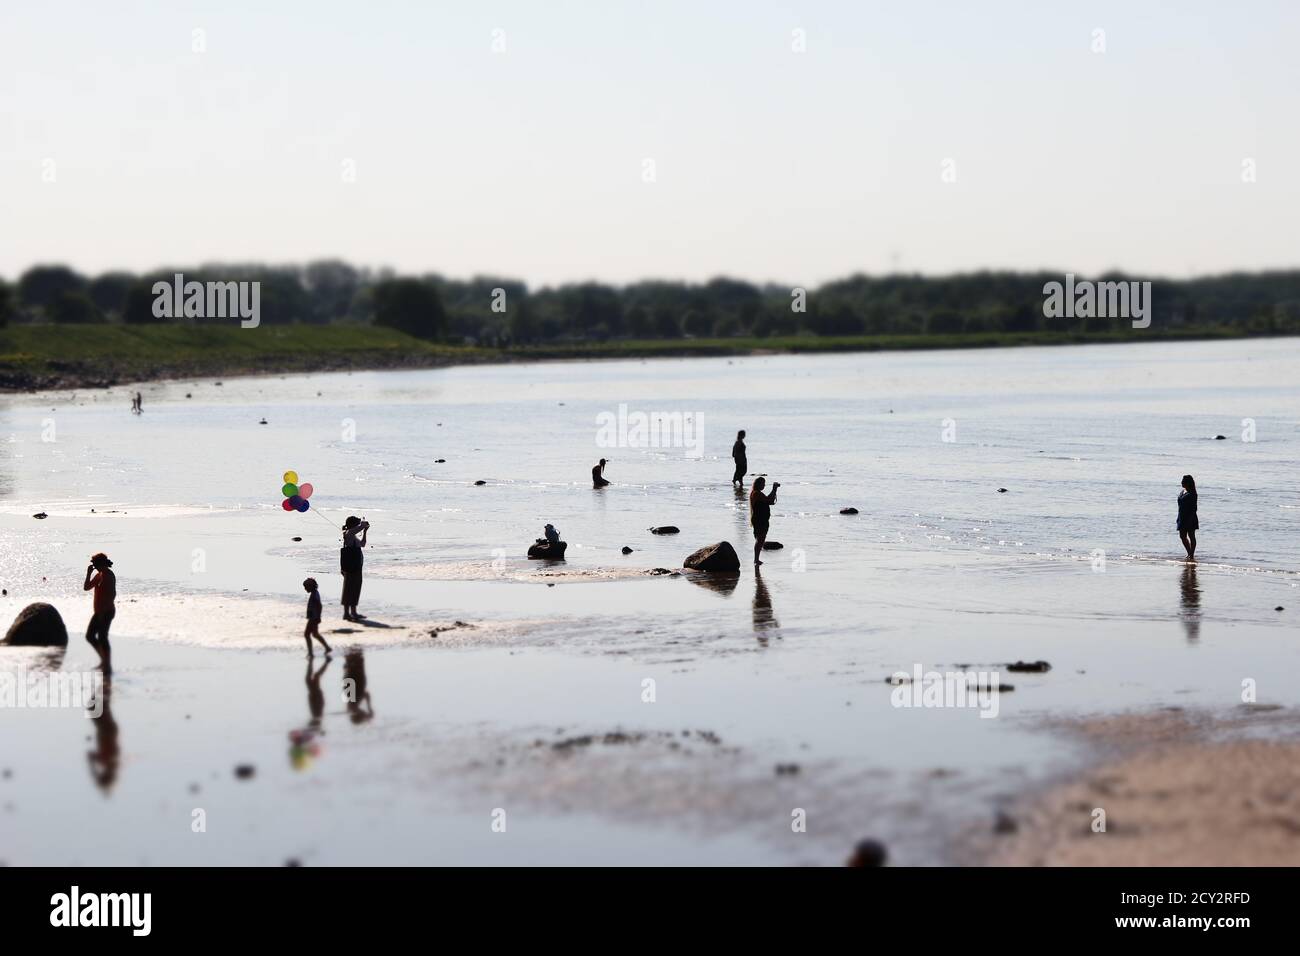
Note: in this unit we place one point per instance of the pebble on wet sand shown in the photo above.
(245, 771)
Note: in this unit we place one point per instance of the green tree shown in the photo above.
(39, 286)
(74, 308)
(411, 306)
(109, 290)
(6, 303)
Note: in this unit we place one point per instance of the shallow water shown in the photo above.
(938, 568)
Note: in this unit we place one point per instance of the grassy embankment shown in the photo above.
(65, 356)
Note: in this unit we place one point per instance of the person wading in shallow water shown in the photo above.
(760, 513)
(351, 561)
(101, 579)
(1188, 523)
(598, 475)
(742, 463)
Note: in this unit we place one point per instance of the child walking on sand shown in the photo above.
(1188, 523)
(313, 617)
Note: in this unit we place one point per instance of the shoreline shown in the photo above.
(113, 356)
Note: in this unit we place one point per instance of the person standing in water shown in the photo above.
(760, 513)
(101, 579)
(742, 463)
(1187, 520)
(351, 561)
(598, 475)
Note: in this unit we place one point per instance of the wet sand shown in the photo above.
(1176, 788)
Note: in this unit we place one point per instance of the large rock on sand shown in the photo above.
(37, 625)
(716, 557)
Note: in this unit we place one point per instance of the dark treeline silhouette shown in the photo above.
(499, 312)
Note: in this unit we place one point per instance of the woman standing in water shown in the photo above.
(760, 513)
(351, 561)
(742, 462)
(1187, 520)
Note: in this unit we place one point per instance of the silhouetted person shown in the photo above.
(355, 690)
(598, 475)
(139, 404)
(760, 513)
(313, 617)
(351, 561)
(742, 463)
(1187, 520)
(107, 755)
(101, 579)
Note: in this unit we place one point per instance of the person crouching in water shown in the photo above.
(351, 561)
(1187, 520)
(598, 475)
(101, 579)
(760, 513)
(313, 617)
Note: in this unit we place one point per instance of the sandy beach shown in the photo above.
(498, 684)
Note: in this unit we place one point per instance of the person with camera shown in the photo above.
(760, 513)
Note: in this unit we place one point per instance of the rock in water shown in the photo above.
(848, 511)
(1029, 667)
(869, 853)
(1220, 437)
(715, 557)
(626, 549)
(666, 529)
(772, 546)
(37, 625)
(480, 482)
(547, 551)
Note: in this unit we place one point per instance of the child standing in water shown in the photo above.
(1187, 520)
(313, 617)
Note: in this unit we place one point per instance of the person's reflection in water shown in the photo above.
(303, 748)
(355, 692)
(1191, 610)
(107, 755)
(765, 622)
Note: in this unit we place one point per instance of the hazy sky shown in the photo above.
(768, 163)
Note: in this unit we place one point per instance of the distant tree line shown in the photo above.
(499, 312)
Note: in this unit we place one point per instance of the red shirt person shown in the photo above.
(101, 579)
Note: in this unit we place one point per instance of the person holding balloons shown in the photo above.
(351, 561)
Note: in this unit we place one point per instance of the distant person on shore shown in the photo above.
(313, 617)
(742, 463)
(101, 579)
(760, 513)
(351, 561)
(1187, 520)
(598, 475)
(135, 404)
(139, 404)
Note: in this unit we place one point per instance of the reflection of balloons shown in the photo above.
(290, 477)
(304, 505)
(305, 490)
(295, 501)
(289, 490)
(287, 505)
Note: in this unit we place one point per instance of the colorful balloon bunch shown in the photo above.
(295, 495)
